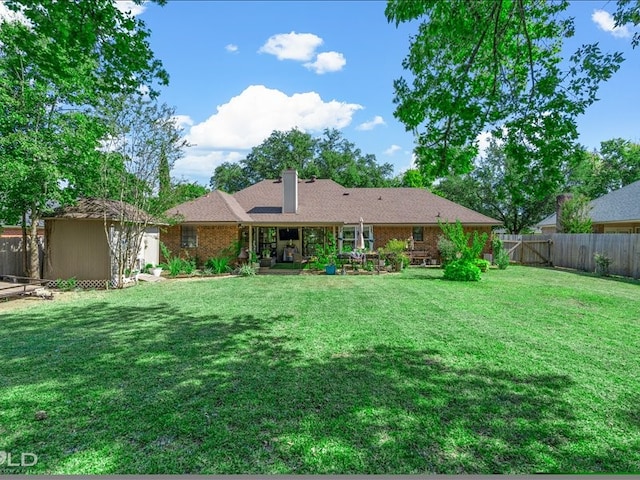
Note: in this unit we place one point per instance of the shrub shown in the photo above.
(174, 264)
(66, 285)
(602, 264)
(246, 271)
(219, 264)
(502, 259)
(462, 270)
(482, 264)
(447, 249)
(468, 248)
(188, 266)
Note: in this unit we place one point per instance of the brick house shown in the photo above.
(293, 215)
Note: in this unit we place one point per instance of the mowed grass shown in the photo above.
(528, 371)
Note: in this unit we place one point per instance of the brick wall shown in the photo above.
(382, 234)
(212, 239)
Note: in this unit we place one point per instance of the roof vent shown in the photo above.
(345, 193)
(279, 180)
(314, 178)
(380, 197)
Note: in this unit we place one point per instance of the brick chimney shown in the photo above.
(560, 199)
(290, 191)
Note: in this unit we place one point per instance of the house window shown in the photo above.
(349, 237)
(417, 234)
(188, 236)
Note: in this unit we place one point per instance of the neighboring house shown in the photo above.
(289, 214)
(616, 212)
(13, 231)
(76, 241)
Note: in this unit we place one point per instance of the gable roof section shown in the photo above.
(325, 201)
(96, 209)
(214, 207)
(622, 205)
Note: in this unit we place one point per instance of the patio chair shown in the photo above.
(299, 259)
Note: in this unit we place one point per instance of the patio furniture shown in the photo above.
(299, 259)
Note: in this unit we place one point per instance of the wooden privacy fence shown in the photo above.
(12, 257)
(577, 251)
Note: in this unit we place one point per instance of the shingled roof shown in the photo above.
(327, 202)
(214, 207)
(622, 205)
(96, 209)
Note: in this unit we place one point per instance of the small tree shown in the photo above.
(143, 144)
(468, 249)
(574, 216)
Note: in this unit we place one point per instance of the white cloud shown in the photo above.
(130, 7)
(604, 20)
(371, 124)
(327, 62)
(249, 118)
(183, 121)
(392, 149)
(198, 165)
(484, 139)
(292, 46)
(231, 48)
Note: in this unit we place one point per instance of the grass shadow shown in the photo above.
(160, 390)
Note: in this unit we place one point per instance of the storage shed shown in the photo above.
(76, 243)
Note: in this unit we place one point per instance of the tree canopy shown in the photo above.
(64, 61)
(329, 156)
(490, 65)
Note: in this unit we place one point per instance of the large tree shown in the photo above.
(503, 188)
(615, 164)
(329, 156)
(494, 65)
(59, 62)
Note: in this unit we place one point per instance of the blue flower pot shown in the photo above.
(330, 269)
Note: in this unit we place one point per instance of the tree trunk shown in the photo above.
(25, 246)
(34, 251)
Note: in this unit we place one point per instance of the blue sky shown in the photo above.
(241, 69)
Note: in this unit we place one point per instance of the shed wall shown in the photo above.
(76, 248)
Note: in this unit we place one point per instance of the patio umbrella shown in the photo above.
(360, 239)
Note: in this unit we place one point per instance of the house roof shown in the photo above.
(327, 202)
(96, 209)
(215, 206)
(622, 205)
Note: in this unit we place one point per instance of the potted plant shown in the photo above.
(156, 271)
(382, 258)
(330, 255)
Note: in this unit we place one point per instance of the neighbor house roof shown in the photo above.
(327, 202)
(618, 206)
(96, 209)
(215, 206)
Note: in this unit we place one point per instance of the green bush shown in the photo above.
(502, 259)
(188, 266)
(462, 270)
(447, 249)
(482, 264)
(246, 271)
(218, 264)
(602, 264)
(66, 285)
(174, 264)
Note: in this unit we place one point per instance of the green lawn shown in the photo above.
(529, 370)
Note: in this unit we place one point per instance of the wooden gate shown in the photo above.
(528, 249)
